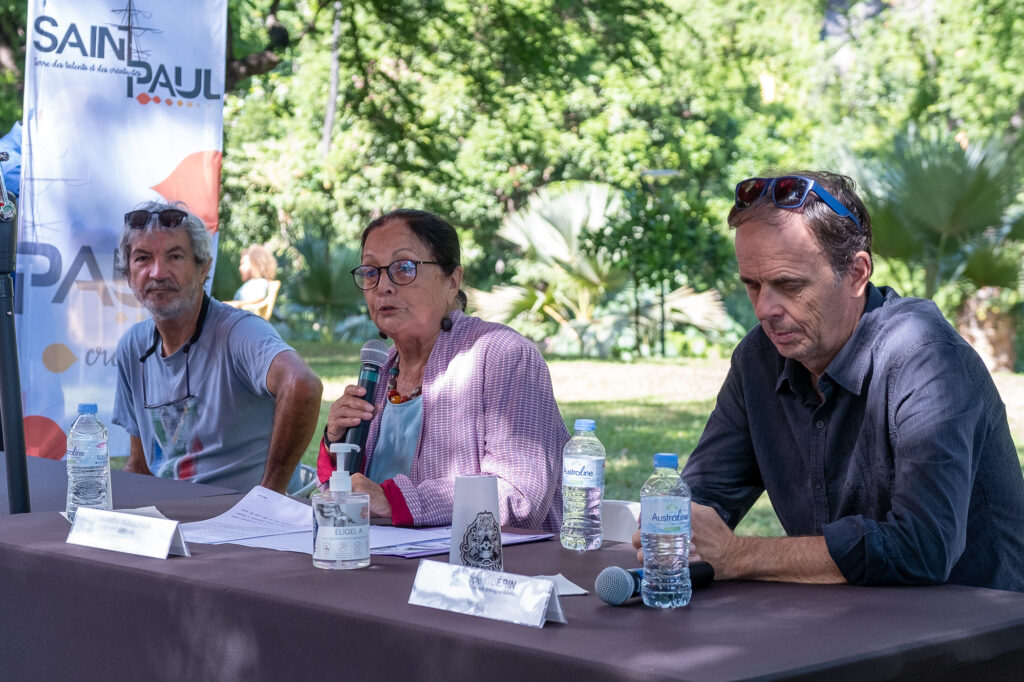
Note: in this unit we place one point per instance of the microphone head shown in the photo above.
(614, 585)
(374, 352)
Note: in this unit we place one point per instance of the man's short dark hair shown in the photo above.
(840, 238)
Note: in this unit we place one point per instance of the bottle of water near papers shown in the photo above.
(341, 524)
(582, 488)
(88, 463)
(665, 535)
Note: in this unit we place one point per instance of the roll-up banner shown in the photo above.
(123, 104)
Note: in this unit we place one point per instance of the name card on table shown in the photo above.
(490, 594)
(130, 533)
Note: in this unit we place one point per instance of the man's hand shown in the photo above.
(713, 541)
(379, 505)
(136, 463)
(790, 560)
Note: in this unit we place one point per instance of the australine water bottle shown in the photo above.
(665, 535)
(582, 488)
(88, 463)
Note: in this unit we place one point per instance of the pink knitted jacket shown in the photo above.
(488, 407)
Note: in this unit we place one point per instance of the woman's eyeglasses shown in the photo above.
(168, 217)
(401, 272)
(788, 191)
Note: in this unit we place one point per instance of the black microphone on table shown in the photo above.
(616, 585)
(373, 356)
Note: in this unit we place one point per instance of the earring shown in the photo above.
(446, 324)
(382, 335)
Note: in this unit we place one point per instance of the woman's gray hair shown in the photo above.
(198, 236)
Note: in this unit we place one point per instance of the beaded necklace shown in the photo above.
(394, 397)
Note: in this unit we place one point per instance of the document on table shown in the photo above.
(261, 513)
(270, 520)
(439, 544)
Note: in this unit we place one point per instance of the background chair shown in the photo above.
(306, 482)
(265, 307)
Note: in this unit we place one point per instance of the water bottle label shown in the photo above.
(342, 543)
(583, 472)
(665, 514)
(91, 457)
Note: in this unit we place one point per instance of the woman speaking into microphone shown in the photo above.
(463, 396)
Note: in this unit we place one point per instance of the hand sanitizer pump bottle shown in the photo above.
(341, 521)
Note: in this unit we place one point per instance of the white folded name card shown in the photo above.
(130, 533)
(478, 592)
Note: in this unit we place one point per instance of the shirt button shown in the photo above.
(820, 424)
(817, 486)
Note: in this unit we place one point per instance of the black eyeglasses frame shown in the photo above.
(388, 269)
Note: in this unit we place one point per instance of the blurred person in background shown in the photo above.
(257, 268)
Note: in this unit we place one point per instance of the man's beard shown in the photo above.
(167, 309)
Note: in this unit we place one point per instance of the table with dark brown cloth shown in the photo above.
(239, 613)
(48, 487)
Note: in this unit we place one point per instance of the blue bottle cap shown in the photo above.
(86, 408)
(585, 425)
(666, 460)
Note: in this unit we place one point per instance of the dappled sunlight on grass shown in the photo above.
(640, 409)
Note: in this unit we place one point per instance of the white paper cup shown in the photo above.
(476, 523)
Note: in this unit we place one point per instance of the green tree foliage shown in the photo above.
(468, 109)
(947, 209)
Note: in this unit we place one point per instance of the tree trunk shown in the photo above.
(989, 331)
(332, 95)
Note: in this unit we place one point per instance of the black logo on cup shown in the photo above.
(481, 544)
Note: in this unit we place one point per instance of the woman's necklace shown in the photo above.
(394, 397)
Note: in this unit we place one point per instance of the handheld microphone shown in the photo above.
(616, 586)
(373, 356)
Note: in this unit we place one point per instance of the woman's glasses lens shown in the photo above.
(402, 271)
(366, 276)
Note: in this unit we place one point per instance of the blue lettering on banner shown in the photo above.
(155, 81)
(100, 38)
(85, 259)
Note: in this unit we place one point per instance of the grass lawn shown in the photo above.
(653, 416)
(640, 408)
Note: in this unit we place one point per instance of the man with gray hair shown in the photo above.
(208, 393)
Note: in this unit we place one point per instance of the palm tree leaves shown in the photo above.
(553, 230)
(943, 206)
(566, 278)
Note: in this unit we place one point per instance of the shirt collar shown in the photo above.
(849, 368)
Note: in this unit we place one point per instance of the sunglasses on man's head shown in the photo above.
(168, 217)
(789, 191)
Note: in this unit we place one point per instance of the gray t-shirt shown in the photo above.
(215, 427)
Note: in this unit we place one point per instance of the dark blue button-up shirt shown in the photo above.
(907, 466)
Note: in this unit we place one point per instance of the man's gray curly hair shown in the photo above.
(198, 236)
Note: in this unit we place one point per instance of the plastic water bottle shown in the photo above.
(582, 488)
(88, 463)
(665, 535)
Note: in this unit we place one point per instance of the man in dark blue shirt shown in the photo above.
(874, 427)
